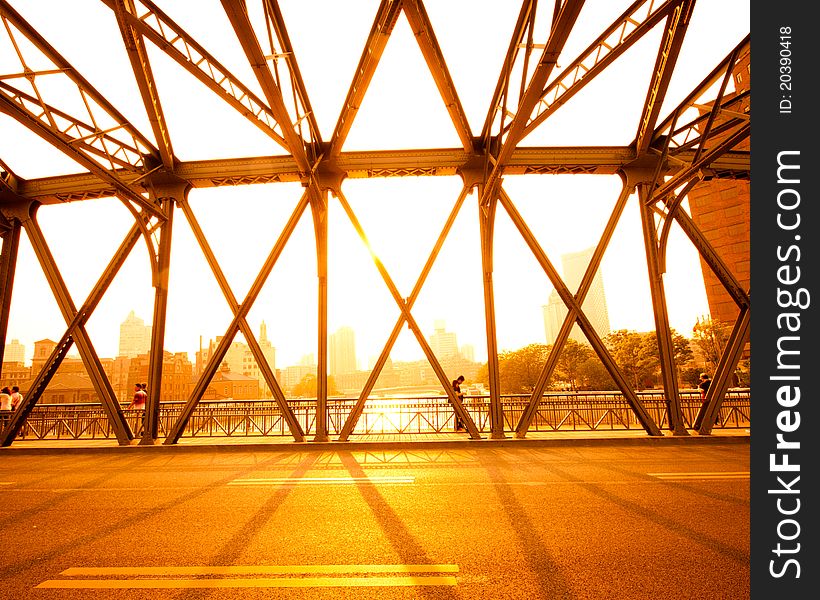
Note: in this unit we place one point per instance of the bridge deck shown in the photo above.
(398, 441)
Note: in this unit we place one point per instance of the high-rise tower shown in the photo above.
(135, 336)
(594, 306)
(443, 343)
(342, 351)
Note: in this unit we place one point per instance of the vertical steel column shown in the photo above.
(319, 208)
(663, 332)
(8, 263)
(150, 431)
(486, 218)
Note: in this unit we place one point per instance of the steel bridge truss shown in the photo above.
(665, 160)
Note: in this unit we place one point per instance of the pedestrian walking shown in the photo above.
(703, 386)
(16, 397)
(138, 403)
(457, 389)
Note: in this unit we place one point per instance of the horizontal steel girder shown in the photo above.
(604, 160)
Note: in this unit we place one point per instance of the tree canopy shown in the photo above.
(636, 353)
(579, 368)
(307, 387)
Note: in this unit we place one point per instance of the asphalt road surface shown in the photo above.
(576, 522)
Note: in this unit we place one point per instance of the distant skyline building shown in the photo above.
(249, 365)
(594, 306)
(239, 358)
(294, 374)
(342, 351)
(14, 352)
(443, 343)
(135, 336)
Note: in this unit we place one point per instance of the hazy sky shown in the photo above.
(401, 216)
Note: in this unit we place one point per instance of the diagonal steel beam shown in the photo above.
(83, 137)
(19, 106)
(81, 142)
(219, 275)
(75, 333)
(733, 112)
(683, 181)
(36, 389)
(709, 130)
(426, 38)
(353, 417)
(712, 258)
(705, 419)
(559, 33)
(529, 412)
(718, 119)
(63, 67)
(175, 432)
(8, 180)
(684, 175)
(676, 26)
(523, 26)
(277, 23)
(383, 24)
(238, 15)
(558, 36)
(411, 323)
(138, 55)
(625, 31)
(169, 37)
(572, 305)
(726, 65)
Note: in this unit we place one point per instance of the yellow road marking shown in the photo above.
(320, 480)
(248, 583)
(258, 569)
(704, 475)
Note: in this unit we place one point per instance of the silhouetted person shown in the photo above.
(138, 403)
(703, 386)
(16, 397)
(457, 389)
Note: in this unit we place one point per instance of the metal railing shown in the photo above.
(562, 411)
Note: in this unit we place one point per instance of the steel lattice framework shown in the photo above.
(666, 159)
